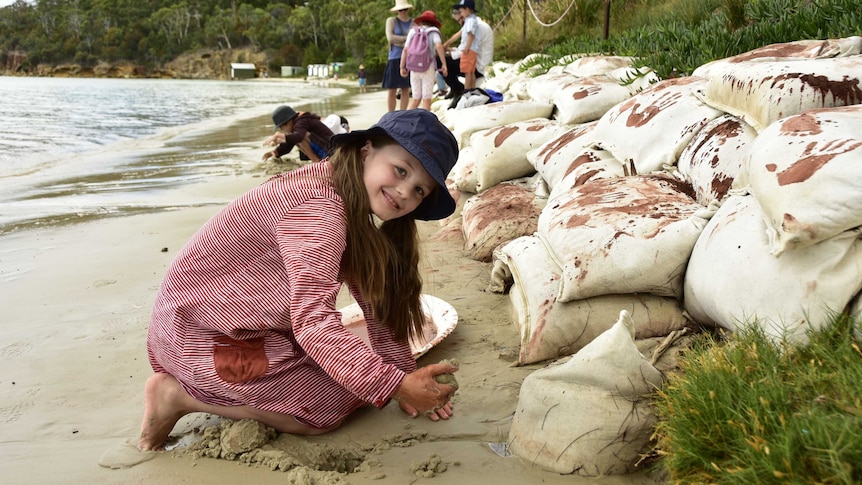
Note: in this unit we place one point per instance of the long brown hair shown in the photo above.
(383, 260)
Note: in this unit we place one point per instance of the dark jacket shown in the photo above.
(306, 123)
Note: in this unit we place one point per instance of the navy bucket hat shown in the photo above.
(423, 135)
(282, 115)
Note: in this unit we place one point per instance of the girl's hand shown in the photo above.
(403, 72)
(444, 412)
(420, 392)
(268, 155)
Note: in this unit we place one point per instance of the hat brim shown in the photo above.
(439, 204)
(428, 20)
(401, 7)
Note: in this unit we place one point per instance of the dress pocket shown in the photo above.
(239, 360)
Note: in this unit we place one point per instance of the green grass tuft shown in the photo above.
(748, 411)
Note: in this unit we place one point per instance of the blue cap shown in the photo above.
(423, 135)
(471, 4)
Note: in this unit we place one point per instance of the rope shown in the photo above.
(530, 4)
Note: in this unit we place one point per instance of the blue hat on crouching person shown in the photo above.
(282, 115)
(422, 134)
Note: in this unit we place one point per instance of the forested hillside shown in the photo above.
(154, 32)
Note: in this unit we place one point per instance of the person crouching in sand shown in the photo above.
(244, 324)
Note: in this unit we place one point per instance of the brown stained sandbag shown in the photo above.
(763, 92)
(550, 329)
(732, 280)
(501, 152)
(553, 158)
(715, 157)
(623, 235)
(804, 171)
(500, 214)
(650, 129)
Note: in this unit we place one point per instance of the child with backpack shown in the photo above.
(422, 43)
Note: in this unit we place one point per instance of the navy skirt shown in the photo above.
(392, 75)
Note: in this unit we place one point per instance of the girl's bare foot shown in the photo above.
(163, 407)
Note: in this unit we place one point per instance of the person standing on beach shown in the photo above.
(397, 29)
(422, 83)
(470, 41)
(362, 78)
(484, 58)
(244, 324)
(302, 129)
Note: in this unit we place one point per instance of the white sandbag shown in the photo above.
(587, 99)
(542, 88)
(549, 329)
(590, 415)
(805, 171)
(623, 235)
(463, 174)
(498, 215)
(553, 158)
(501, 152)
(799, 49)
(762, 92)
(732, 280)
(652, 127)
(475, 118)
(715, 156)
(590, 164)
(634, 79)
(597, 65)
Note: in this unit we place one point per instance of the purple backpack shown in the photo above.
(418, 52)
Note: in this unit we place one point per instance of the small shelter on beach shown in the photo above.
(291, 71)
(241, 70)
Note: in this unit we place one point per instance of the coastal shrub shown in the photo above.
(744, 410)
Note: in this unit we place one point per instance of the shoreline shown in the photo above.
(76, 302)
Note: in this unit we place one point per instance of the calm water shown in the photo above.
(76, 149)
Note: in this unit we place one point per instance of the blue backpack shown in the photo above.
(418, 52)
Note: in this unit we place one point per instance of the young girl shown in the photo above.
(245, 325)
(422, 83)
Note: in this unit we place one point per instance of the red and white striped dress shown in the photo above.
(246, 313)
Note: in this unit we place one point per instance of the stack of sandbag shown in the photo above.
(650, 129)
(470, 120)
(623, 235)
(549, 328)
(766, 85)
(590, 415)
(795, 238)
(496, 155)
(553, 159)
(733, 280)
(510, 79)
(500, 153)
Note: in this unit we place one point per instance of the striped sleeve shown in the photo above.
(312, 240)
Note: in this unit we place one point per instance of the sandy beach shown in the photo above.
(75, 305)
